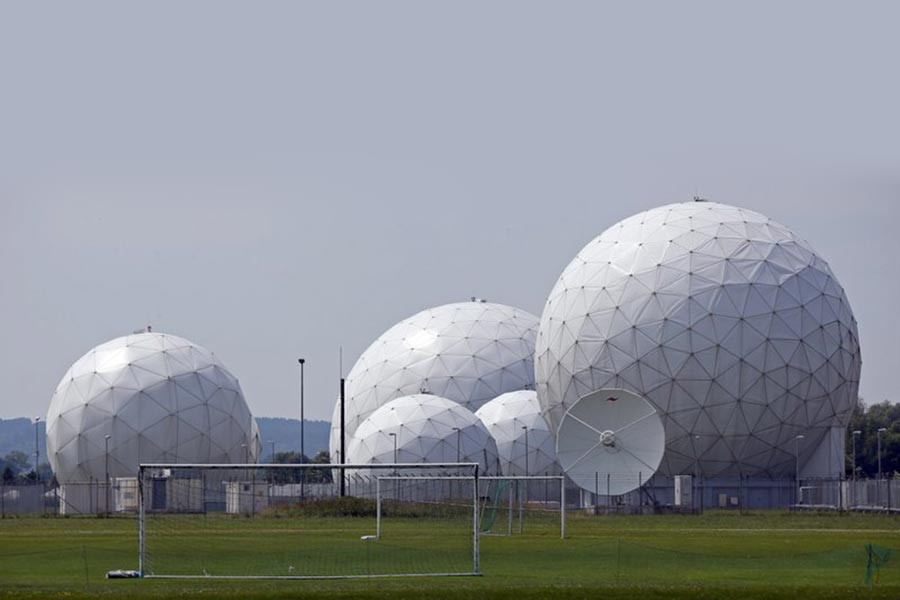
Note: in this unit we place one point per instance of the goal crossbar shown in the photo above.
(349, 467)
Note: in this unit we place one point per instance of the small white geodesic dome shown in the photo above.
(727, 322)
(159, 398)
(468, 352)
(428, 429)
(515, 422)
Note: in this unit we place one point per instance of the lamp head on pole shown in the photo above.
(301, 360)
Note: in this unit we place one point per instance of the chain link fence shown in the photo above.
(657, 495)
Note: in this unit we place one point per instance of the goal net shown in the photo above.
(308, 521)
(510, 505)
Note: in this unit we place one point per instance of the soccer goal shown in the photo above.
(308, 521)
(511, 505)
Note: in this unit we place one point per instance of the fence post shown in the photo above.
(562, 507)
(521, 497)
(509, 511)
(377, 508)
(700, 488)
(141, 508)
(640, 500)
(840, 494)
(889, 482)
(475, 522)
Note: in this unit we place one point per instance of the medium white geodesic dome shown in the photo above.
(468, 352)
(428, 429)
(159, 398)
(515, 422)
(726, 321)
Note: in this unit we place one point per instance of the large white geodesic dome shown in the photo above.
(727, 322)
(428, 429)
(159, 398)
(468, 352)
(524, 441)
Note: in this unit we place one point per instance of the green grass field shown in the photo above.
(715, 555)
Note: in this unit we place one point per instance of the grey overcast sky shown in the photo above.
(279, 179)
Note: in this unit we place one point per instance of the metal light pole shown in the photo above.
(107, 474)
(302, 362)
(37, 452)
(270, 475)
(878, 483)
(396, 482)
(797, 456)
(458, 454)
(343, 441)
(851, 500)
(525, 429)
(525, 493)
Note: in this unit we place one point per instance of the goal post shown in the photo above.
(292, 520)
(512, 504)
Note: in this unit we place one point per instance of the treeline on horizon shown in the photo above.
(867, 420)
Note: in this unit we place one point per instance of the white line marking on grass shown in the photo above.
(754, 530)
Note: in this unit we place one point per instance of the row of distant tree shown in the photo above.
(867, 420)
(294, 475)
(17, 467)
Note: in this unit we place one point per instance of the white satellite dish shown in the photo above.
(610, 442)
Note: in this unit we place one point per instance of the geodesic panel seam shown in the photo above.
(426, 429)
(159, 398)
(725, 320)
(524, 441)
(468, 352)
